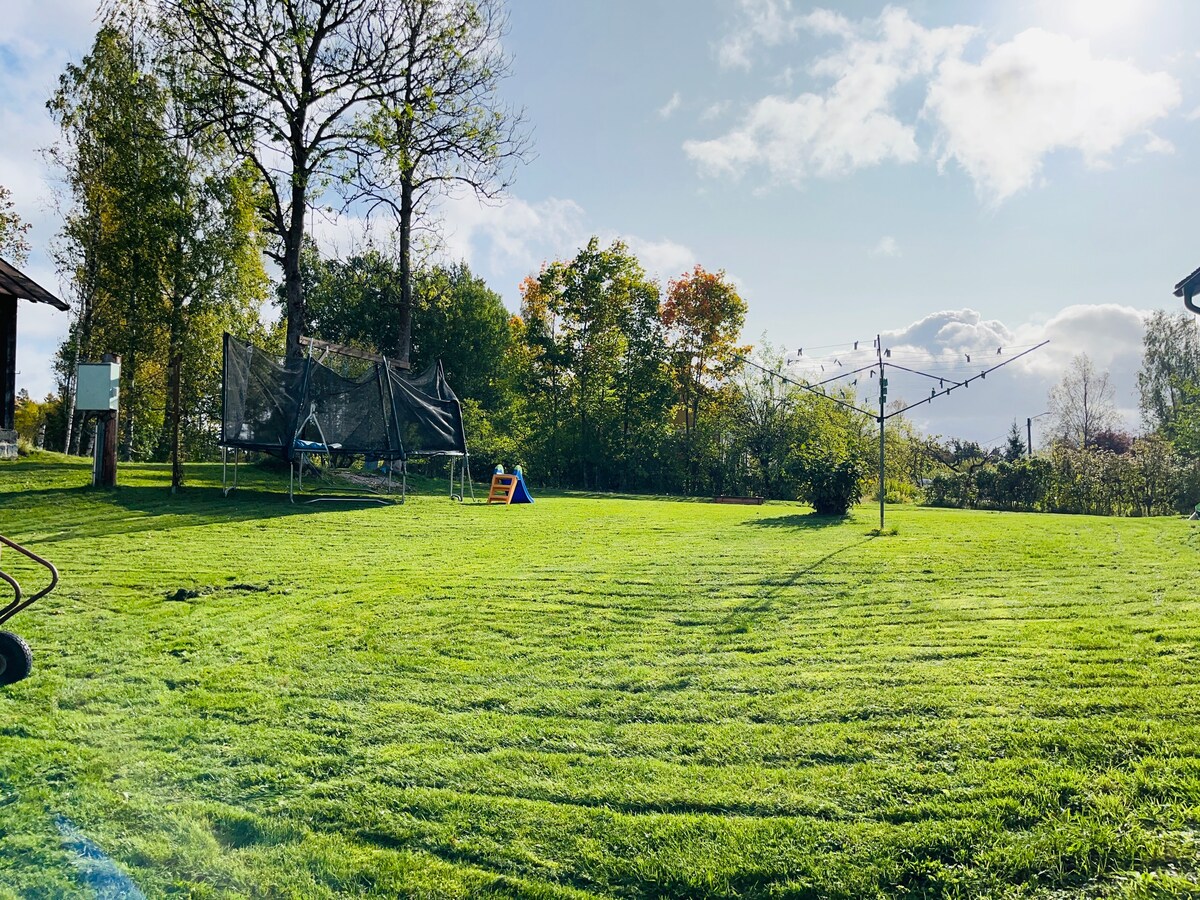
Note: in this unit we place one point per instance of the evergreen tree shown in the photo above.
(1014, 447)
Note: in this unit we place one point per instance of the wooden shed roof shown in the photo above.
(14, 283)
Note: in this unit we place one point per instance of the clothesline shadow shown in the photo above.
(777, 587)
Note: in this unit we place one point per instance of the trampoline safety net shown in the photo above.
(362, 407)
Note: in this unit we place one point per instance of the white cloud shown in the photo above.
(941, 342)
(665, 259)
(1033, 95)
(510, 240)
(760, 23)
(998, 118)
(512, 235)
(887, 246)
(665, 111)
(852, 124)
(1156, 144)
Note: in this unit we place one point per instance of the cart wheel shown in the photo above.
(16, 659)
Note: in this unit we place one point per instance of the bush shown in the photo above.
(831, 484)
(896, 490)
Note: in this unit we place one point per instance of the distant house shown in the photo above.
(14, 286)
(1187, 289)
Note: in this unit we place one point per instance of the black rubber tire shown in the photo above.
(16, 659)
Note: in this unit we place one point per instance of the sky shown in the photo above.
(961, 178)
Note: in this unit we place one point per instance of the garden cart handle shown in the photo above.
(17, 604)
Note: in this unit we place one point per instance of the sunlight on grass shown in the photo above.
(596, 697)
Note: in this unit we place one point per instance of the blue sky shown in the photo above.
(954, 175)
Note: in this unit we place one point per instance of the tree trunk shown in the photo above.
(403, 346)
(293, 278)
(129, 376)
(74, 424)
(176, 413)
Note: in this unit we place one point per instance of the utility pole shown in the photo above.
(1029, 432)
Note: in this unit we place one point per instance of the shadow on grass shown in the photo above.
(141, 509)
(777, 587)
(799, 520)
(66, 509)
(573, 494)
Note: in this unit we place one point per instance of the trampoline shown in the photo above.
(337, 402)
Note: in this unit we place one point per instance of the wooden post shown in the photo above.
(108, 452)
(8, 363)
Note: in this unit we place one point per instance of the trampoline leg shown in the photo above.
(403, 480)
(227, 489)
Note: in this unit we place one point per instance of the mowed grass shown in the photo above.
(596, 697)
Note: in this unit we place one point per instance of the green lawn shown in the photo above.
(596, 697)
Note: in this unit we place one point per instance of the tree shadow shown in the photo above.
(142, 509)
(807, 520)
(57, 503)
(574, 494)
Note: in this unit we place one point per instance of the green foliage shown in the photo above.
(1184, 429)
(593, 367)
(236, 697)
(831, 482)
(14, 243)
(458, 319)
(161, 243)
(1170, 368)
(1150, 479)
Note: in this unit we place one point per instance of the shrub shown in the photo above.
(831, 483)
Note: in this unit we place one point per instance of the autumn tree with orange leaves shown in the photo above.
(703, 317)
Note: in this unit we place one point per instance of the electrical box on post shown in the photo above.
(97, 386)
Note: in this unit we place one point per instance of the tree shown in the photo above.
(1014, 447)
(459, 320)
(14, 246)
(288, 85)
(703, 316)
(340, 95)
(161, 241)
(765, 422)
(120, 176)
(1170, 363)
(830, 455)
(442, 124)
(1082, 404)
(595, 366)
